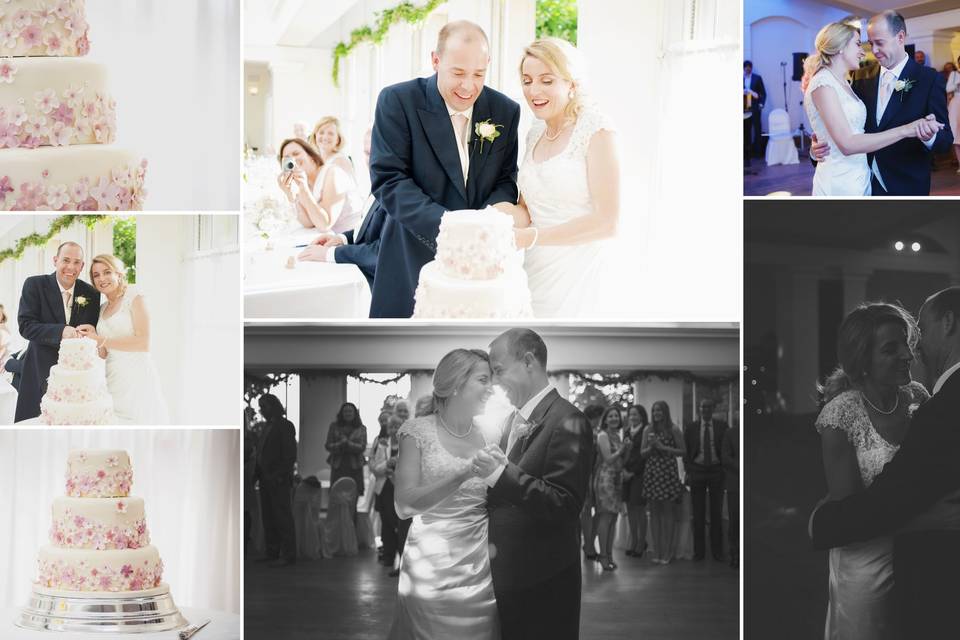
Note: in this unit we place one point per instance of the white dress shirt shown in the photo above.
(943, 379)
(331, 255)
(525, 411)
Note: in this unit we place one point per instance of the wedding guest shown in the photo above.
(730, 454)
(953, 95)
(705, 475)
(393, 530)
(920, 58)
(946, 71)
(4, 335)
(753, 86)
(346, 442)
(661, 446)
(303, 185)
(337, 182)
(249, 475)
(276, 456)
(402, 410)
(608, 480)
(633, 482)
(588, 532)
(300, 130)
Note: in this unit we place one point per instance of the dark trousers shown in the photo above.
(546, 611)
(733, 509)
(925, 569)
(753, 132)
(276, 508)
(393, 530)
(702, 481)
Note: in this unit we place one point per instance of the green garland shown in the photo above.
(41, 239)
(403, 12)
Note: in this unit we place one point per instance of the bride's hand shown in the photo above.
(87, 331)
(521, 218)
(922, 128)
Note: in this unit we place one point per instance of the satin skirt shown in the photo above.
(862, 604)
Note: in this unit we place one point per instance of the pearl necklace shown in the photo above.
(443, 424)
(559, 131)
(878, 409)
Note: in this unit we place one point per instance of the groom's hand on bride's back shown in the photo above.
(818, 150)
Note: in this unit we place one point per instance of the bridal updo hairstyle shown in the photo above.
(114, 263)
(452, 373)
(831, 40)
(321, 123)
(565, 60)
(855, 343)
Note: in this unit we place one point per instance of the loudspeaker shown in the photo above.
(798, 59)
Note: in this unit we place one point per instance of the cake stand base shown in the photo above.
(128, 612)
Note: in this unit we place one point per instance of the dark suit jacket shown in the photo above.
(364, 249)
(756, 84)
(691, 437)
(42, 321)
(905, 166)
(277, 453)
(415, 176)
(534, 508)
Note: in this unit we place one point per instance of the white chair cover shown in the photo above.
(306, 514)
(781, 148)
(339, 533)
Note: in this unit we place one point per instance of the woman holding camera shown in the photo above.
(324, 200)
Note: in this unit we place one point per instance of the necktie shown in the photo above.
(66, 305)
(707, 445)
(460, 127)
(887, 82)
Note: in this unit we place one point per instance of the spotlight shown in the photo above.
(898, 245)
(915, 246)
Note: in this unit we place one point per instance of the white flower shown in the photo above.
(58, 196)
(485, 129)
(899, 85)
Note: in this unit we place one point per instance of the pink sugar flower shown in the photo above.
(47, 100)
(32, 36)
(126, 570)
(101, 473)
(7, 70)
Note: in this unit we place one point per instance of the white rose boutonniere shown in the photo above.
(903, 86)
(487, 132)
(82, 301)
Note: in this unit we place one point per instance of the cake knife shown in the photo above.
(190, 631)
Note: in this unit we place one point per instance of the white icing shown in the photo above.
(441, 296)
(77, 387)
(475, 245)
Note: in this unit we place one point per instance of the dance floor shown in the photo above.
(353, 598)
(796, 179)
(785, 580)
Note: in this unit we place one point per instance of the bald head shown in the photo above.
(464, 31)
(939, 322)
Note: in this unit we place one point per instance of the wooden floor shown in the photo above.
(797, 179)
(353, 598)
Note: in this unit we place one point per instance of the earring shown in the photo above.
(571, 95)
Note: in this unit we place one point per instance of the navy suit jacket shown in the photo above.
(41, 319)
(363, 249)
(905, 166)
(415, 176)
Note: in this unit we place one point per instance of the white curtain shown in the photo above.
(175, 73)
(190, 483)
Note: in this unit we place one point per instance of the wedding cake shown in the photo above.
(478, 272)
(99, 540)
(57, 120)
(77, 387)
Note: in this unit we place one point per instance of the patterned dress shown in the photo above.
(661, 477)
(608, 478)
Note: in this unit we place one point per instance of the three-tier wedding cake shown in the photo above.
(478, 272)
(99, 540)
(77, 391)
(57, 120)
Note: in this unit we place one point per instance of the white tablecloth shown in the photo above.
(309, 290)
(223, 626)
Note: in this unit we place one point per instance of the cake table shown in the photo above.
(223, 626)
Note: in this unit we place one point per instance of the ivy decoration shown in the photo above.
(41, 239)
(405, 12)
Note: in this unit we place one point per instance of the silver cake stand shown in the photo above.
(126, 612)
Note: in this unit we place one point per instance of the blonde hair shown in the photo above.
(563, 59)
(321, 123)
(831, 40)
(114, 263)
(452, 373)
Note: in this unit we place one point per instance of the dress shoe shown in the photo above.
(631, 552)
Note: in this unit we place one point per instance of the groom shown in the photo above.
(536, 495)
(916, 497)
(902, 91)
(51, 308)
(425, 159)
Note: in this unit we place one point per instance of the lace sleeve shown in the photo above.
(590, 121)
(846, 414)
(821, 79)
(132, 293)
(536, 130)
(416, 430)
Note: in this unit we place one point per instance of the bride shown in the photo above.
(838, 116)
(446, 589)
(869, 401)
(569, 185)
(123, 339)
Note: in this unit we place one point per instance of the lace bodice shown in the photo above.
(848, 413)
(853, 109)
(437, 463)
(556, 189)
(120, 324)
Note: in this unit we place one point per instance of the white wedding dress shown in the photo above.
(837, 174)
(862, 604)
(565, 281)
(131, 375)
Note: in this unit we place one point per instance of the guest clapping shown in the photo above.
(633, 482)
(607, 482)
(346, 442)
(662, 445)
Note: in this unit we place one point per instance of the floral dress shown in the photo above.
(608, 478)
(661, 478)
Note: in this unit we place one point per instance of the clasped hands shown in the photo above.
(924, 129)
(486, 460)
(83, 331)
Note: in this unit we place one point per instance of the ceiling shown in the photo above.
(909, 8)
(291, 23)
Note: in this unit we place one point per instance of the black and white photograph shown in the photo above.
(488, 481)
(851, 352)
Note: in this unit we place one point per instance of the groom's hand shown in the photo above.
(314, 253)
(818, 150)
(87, 330)
(484, 463)
(328, 240)
(70, 332)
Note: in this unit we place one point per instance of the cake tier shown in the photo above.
(54, 102)
(77, 354)
(475, 245)
(99, 523)
(99, 473)
(43, 28)
(77, 414)
(441, 296)
(103, 571)
(88, 177)
(65, 385)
